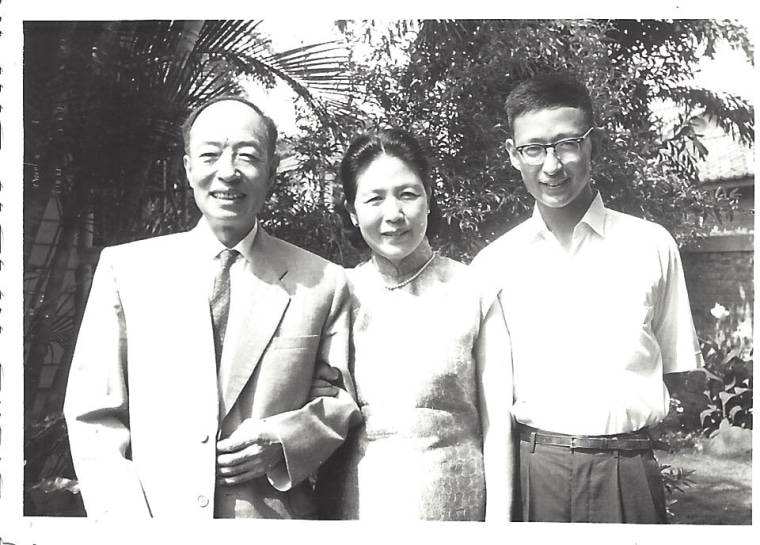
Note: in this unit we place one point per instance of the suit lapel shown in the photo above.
(192, 313)
(265, 303)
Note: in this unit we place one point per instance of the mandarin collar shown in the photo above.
(408, 266)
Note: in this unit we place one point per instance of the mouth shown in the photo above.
(555, 183)
(227, 196)
(394, 234)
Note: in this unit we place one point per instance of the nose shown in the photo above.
(226, 169)
(551, 164)
(393, 210)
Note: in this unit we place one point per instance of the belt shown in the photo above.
(638, 440)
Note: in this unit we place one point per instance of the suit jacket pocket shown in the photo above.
(283, 378)
(299, 342)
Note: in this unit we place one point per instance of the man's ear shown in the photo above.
(596, 139)
(186, 163)
(274, 162)
(513, 158)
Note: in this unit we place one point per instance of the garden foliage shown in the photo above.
(721, 392)
(103, 102)
(447, 82)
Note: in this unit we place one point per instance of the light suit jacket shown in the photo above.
(145, 404)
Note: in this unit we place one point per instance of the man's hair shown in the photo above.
(362, 153)
(548, 92)
(271, 127)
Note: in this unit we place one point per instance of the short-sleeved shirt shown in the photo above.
(592, 329)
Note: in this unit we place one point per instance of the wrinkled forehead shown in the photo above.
(229, 120)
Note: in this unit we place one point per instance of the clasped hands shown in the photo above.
(253, 448)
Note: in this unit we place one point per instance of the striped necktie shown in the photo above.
(220, 300)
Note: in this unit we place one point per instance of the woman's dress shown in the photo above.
(419, 453)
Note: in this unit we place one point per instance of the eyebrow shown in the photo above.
(402, 187)
(558, 138)
(246, 144)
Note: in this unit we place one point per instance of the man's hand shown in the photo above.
(327, 381)
(248, 453)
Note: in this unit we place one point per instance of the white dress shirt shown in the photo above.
(592, 329)
(210, 248)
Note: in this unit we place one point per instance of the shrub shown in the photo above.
(674, 479)
(722, 390)
(50, 486)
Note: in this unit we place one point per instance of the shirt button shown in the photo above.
(202, 501)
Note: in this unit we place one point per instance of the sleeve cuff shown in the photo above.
(279, 477)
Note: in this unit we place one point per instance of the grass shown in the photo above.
(720, 491)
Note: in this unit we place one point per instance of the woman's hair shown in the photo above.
(362, 152)
(547, 92)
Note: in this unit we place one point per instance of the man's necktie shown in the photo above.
(220, 300)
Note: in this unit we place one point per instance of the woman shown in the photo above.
(431, 358)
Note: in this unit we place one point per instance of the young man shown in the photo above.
(598, 314)
(189, 388)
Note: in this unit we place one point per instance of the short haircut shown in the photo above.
(363, 151)
(271, 127)
(548, 92)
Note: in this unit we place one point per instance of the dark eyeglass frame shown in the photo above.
(553, 146)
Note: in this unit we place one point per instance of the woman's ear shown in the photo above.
(351, 212)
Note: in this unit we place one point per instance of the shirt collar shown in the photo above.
(594, 218)
(595, 215)
(209, 246)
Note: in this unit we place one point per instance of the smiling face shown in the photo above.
(556, 186)
(390, 208)
(229, 167)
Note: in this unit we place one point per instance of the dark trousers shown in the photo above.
(560, 484)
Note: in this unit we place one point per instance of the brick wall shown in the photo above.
(724, 277)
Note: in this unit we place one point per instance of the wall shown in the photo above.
(724, 276)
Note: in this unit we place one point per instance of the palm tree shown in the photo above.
(103, 102)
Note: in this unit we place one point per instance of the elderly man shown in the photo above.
(189, 391)
(598, 315)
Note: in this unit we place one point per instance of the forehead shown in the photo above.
(229, 121)
(549, 124)
(386, 172)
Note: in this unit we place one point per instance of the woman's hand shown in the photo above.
(327, 381)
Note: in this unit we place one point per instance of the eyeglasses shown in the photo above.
(565, 151)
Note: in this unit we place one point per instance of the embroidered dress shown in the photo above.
(419, 453)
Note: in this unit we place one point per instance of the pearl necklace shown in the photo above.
(411, 278)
